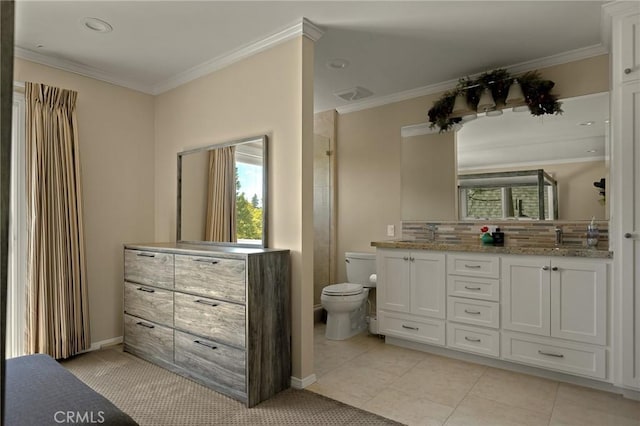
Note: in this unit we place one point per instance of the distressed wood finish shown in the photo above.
(148, 267)
(148, 338)
(240, 304)
(148, 302)
(211, 360)
(214, 319)
(211, 276)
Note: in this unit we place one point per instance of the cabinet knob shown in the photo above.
(627, 70)
(405, 258)
(545, 268)
(555, 268)
(628, 235)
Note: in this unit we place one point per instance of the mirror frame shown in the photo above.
(265, 161)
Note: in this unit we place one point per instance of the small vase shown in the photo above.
(486, 239)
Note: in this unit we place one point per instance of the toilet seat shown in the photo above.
(344, 289)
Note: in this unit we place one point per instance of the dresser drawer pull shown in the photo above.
(206, 302)
(146, 255)
(410, 328)
(146, 290)
(472, 288)
(472, 266)
(469, 339)
(472, 312)
(213, 262)
(201, 343)
(144, 324)
(550, 354)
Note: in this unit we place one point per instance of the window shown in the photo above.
(249, 203)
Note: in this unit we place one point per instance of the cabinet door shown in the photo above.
(393, 280)
(630, 48)
(526, 295)
(579, 301)
(428, 284)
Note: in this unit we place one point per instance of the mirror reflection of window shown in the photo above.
(248, 191)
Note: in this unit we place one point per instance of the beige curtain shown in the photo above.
(221, 196)
(57, 306)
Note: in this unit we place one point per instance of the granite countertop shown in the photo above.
(564, 251)
(198, 249)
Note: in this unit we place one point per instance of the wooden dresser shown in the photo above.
(218, 315)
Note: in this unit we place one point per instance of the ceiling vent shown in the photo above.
(354, 94)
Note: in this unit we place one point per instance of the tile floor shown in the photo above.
(418, 388)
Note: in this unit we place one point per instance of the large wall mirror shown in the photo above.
(572, 149)
(222, 194)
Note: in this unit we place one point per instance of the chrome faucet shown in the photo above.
(431, 229)
(558, 236)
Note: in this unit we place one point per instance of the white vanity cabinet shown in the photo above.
(411, 294)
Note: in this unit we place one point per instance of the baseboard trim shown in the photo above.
(95, 346)
(297, 383)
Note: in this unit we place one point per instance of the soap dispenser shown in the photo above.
(498, 238)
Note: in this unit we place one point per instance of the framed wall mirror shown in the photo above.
(222, 194)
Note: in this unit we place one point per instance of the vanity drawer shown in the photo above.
(149, 303)
(474, 265)
(473, 339)
(412, 328)
(213, 319)
(476, 312)
(472, 287)
(550, 353)
(148, 338)
(211, 361)
(148, 267)
(211, 276)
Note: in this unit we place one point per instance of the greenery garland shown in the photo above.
(537, 95)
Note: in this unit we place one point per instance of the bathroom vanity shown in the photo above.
(217, 315)
(543, 307)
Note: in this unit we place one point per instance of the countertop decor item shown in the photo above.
(486, 237)
(499, 90)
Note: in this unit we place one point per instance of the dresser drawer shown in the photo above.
(212, 276)
(473, 339)
(412, 328)
(211, 360)
(474, 265)
(153, 304)
(476, 312)
(558, 355)
(475, 288)
(214, 319)
(148, 267)
(148, 338)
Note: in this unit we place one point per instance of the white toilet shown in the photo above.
(346, 303)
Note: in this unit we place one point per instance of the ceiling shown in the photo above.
(391, 46)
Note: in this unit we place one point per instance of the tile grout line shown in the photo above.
(465, 395)
(555, 399)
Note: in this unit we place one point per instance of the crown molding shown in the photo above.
(78, 68)
(304, 27)
(558, 59)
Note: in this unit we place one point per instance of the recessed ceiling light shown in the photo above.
(97, 25)
(586, 123)
(337, 64)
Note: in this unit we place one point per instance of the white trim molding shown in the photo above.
(558, 59)
(297, 383)
(95, 346)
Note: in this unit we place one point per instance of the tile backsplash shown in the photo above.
(516, 233)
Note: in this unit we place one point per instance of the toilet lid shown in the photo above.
(344, 289)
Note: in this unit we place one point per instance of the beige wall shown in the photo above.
(369, 155)
(116, 138)
(269, 93)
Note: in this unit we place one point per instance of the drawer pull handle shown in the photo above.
(627, 70)
(146, 290)
(410, 328)
(472, 266)
(472, 288)
(145, 325)
(200, 342)
(469, 339)
(550, 354)
(146, 255)
(213, 262)
(206, 302)
(472, 312)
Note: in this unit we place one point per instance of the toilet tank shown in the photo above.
(360, 266)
